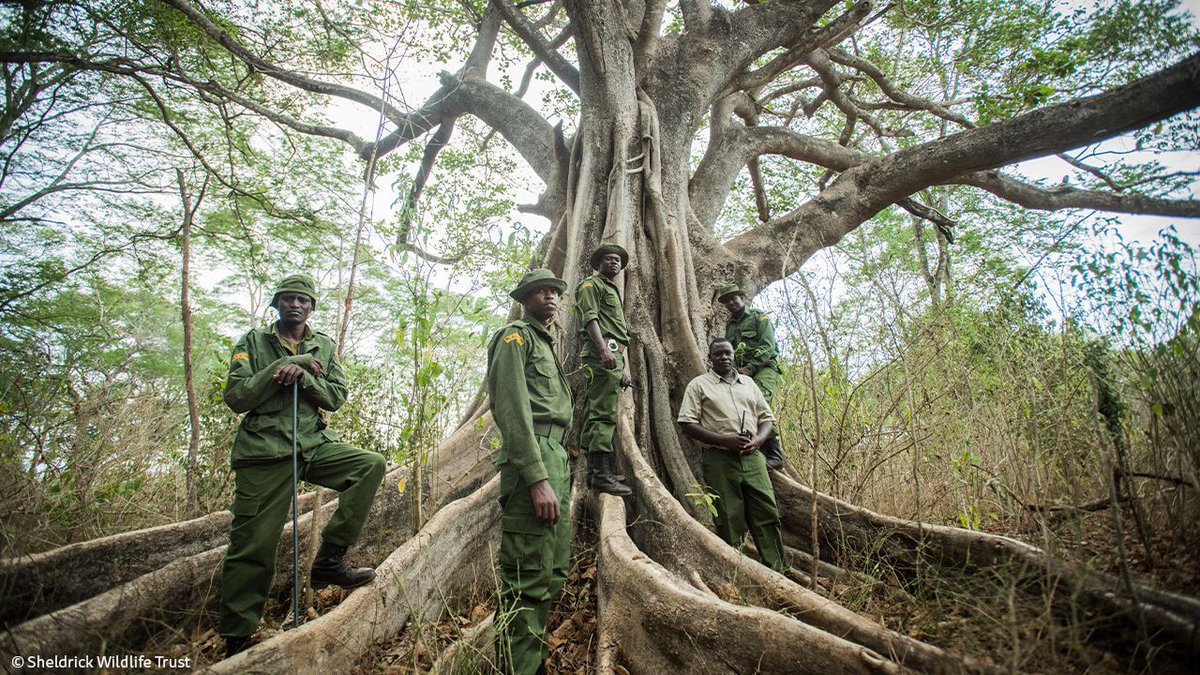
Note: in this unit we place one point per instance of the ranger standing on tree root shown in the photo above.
(753, 338)
(531, 405)
(264, 366)
(601, 316)
(726, 413)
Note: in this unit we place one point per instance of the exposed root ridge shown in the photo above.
(684, 546)
(452, 552)
(121, 616)
(665, 625)
(1175, 619)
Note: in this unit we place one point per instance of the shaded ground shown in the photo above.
(1000, 617)
(572, 629)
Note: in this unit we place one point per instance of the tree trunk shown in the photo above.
(192, 470)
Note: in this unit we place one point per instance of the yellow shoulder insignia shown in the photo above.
(763, 317)
(240, 356)
(586, 284)
(514, 337)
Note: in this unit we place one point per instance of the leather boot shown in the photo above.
(235, 644)
(773, 454)
(330, 568)
(600, 475)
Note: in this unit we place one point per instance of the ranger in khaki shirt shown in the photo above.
(753, 338)
(725, 412)
(531, 404)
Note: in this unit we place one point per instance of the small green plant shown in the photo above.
(969, 518)
(701, 497)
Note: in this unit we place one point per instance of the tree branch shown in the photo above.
(819, 61)
(544, 51)
(781, 246)
(841, 56)
(284, 75)
(135, 70)
(832, 33)
(1063, 197)
(647, 41)
(522, 126)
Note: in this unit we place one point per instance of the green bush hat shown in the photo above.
(729, 291)
(535, 279)
(296, 283)
(604, 250)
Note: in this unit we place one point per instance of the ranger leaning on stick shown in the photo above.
(265, 364)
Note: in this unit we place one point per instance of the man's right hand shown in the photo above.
(288, 374)
(733, 442)
(545, 502)
(607, 358)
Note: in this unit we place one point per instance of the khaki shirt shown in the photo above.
(717, 404)
(598, 298)
(753, 339)
(527, 388)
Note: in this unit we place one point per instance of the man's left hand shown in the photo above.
(750, 446)
(316, 368)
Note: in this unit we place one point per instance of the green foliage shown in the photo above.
(703, 498)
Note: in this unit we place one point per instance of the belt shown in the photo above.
(613, 344)
(550, 430)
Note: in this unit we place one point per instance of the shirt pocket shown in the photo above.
(274, 404)
(545, 371)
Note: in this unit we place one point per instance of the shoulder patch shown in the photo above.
(762, 317)
(240, 356)
(586, 284)
(514, 337)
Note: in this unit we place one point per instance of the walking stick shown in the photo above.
(295, 510)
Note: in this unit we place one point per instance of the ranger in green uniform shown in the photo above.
(531, 405)
(753, 339)
(725, 412)
(604, 334)
(265, 364)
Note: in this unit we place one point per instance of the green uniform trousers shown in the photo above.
(767, 380)
(534, 557)
(603, 392)
(262, 498)
(745, 498)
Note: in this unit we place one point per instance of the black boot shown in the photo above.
(235, 644)
(773, 453)
(330, 568)
(600, 475)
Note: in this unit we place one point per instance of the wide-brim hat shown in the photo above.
(296, 283)
(535, 279)
(726, 292)
(604, 250)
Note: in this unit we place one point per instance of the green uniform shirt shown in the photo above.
(597, 298)
(527, 388)
(753, 339)
(266, 431)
